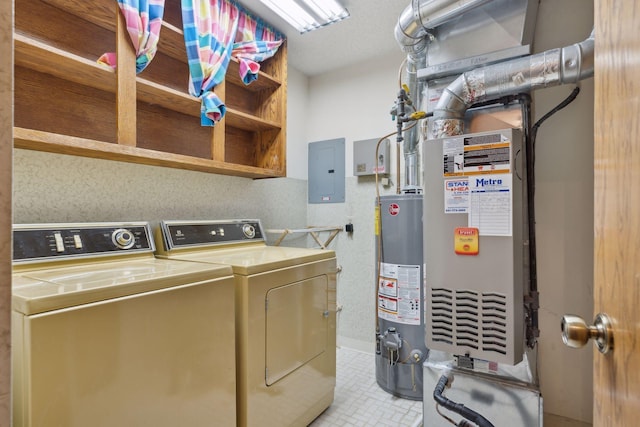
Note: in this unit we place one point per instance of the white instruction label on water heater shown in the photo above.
(399, 293)
(490, 208)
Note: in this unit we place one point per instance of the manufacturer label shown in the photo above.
(394, 209)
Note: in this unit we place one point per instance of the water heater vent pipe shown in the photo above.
(550, 68)
(412, 33)
(421, 16)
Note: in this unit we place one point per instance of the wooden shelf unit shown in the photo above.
(65, 102)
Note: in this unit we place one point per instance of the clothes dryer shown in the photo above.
(285, 317)
(105, 334)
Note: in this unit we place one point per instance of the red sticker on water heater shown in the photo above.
(394, 209)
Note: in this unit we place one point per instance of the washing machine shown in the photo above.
(285, 317)
(105, 334)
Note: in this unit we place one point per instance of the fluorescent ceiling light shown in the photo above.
(307, 15)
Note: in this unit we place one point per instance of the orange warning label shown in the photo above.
(466, 241)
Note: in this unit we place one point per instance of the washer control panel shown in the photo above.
(205, 233)
(36, 242)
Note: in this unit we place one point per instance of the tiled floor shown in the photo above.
(359, 401)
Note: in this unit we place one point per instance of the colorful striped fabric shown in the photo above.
(209, 30)
(144, 22)
(213, 31)
(255, 42)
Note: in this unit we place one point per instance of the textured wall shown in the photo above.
(354, 104)
(60, 188)
(564, 216)
(297, 113)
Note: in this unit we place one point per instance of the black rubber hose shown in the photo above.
(568, 100)
(458, 408)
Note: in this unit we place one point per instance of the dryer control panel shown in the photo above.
(39, 242)
(178, 234)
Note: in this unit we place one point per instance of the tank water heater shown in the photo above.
(400, 347)
(475, 234)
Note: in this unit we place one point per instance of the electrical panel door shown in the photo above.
(326, 171)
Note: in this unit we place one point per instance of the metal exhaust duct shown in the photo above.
(413, 34)
(412, 136)
(419, 17)
(553, 67)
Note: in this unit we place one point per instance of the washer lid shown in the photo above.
(37, 291)
(255, 259)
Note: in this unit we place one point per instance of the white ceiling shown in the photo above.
(368, 33)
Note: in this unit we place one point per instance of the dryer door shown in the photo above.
(297, 325)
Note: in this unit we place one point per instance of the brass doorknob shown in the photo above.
(576, 333)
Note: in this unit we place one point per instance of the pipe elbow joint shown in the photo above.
(412, 46)
(577, 61)
(409, 34)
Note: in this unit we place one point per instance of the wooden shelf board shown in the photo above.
(64, 144)
(264, 81)
(171, 99)
(41, 57)
(240, 120)
(171, 42)
(102, 13)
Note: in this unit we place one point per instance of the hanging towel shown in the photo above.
(255, 42)
(209, 30)
(143, 19)
(214, 30)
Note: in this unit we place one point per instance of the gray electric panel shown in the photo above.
(326, 171)
(475, 230)
(365, 161)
